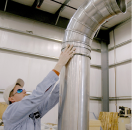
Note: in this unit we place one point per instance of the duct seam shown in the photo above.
(77, 44)
(82, 24)
(82, 54)
(87, 55)
(107, 7)
(89, 16)
(94, 20)
(83, 43)
(79, 33)
(79, 47)
(112, 7)
(97, 9)
(74, 111)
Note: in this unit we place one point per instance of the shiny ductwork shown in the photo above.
(75, 76)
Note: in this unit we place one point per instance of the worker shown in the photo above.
(25, 112)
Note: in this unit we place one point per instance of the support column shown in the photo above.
(105, 76)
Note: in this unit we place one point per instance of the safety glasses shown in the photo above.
(18, 91)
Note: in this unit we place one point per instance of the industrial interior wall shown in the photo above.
(22, 56)
(121, 38)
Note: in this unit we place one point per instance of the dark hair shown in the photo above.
(10, 102)
(10, 96)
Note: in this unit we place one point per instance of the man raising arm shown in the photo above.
(25, 113)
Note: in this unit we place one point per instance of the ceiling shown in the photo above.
(52, 6)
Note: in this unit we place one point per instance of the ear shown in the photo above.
(11, 99)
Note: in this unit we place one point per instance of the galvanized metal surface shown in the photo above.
(75, 77)
(75, 96)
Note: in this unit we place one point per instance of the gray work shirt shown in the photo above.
(16, 116)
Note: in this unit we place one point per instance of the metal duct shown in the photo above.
(75, 77)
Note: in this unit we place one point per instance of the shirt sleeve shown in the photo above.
(51, 100)
(56, 72)
(19, 111)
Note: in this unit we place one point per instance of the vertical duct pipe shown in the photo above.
(75, 77)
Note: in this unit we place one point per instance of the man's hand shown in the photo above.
(64, 57)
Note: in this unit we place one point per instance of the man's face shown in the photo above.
(18, 96)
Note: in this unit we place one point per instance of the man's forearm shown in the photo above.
(65, 56)
(58, 67)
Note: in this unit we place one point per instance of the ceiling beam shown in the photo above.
(62, 7)
(64, 4)
(58, 12)
(33, 13)
(40, 3)
(5, 5)
(37, 3)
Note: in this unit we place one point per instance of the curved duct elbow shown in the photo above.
(88, 19)
(75, 77)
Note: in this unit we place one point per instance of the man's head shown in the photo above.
(16, 96)
(15, 92)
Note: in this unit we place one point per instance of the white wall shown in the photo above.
(95, 80)
(122, 34)
(33, 69)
